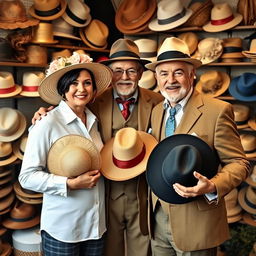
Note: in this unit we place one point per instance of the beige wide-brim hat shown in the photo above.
(125, 156)
(48, 87)
(6, 154)
(247, 199)
(173, 49)
(72, 155)
(12, 124)
(249, 145)
(213, 83)
(170, 14)
(43, 10)
(8, 88)
(222, 18)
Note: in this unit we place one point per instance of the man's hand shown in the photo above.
(41, 112)
(85, 180)
(203, 186)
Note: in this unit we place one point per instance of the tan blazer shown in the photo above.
(102, 108)
(199, 225)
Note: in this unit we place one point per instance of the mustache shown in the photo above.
(170, 86)
(125, 82)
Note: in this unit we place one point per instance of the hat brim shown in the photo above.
(123, 25)
(12, 158)
(76, 24)
(247, 218)
(112, 172)
(29, 94)
(224, 87)
(196, 63)
(154, 175)
(63, 4)
(54, 166)
(252, 123)
(29, 200)
(48, 87)
(217, 28)
(232, 219)
(242, 201)
(22, 25)
(154, 26)
(18, 190)
(6, 201)
(19, 132)
(6, 190)
(234, 91)
(17, 91)
(206, 60)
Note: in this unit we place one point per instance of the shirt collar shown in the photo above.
(135, 95)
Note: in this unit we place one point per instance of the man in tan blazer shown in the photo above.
(197, 227)
(126, 200)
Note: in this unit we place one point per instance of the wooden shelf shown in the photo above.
(230, 64)
(21, 64)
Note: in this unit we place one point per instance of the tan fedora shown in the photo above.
(19, 146)
(13, 15)
(6, 202)
(173, 49)
(57, 68)
(242, 115)
(252, 51)
(6, 154)
(209, 50)
(147, 48)
(191, 39)
(8, 88)
(62, 28)
(148, 81)
(95, 35)
(43, 34)
(48, 9)
(30, 83)
(62, 53)
(252, 123)
(12, 124)
(222, 18)
(213, 83)
(72, 155)
(77, 13)
(20, 191)
(125, 156)
(251, 179)
(22, 216)
(36, 54)
(124, 49)
(132, 16)
(232, 48)
(247, 199)
(170, 14)
(249, 145)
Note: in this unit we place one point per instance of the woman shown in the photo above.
(73, 210)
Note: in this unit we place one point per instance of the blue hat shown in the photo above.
(174, 160)
(243, 87)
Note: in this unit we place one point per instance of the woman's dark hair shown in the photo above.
(68, 78)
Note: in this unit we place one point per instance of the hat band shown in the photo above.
(231, 49)
(96, 45)
(249, 151)
(49, 12)
(172, 55)
(5, 157)
(124, 54)
(29, 88)
(173, 18)
(249, 203)
(130, 163)
(7, 90)
(222, 21)
(74, 17)
(23, 219)
(148, 54)
(241, 122)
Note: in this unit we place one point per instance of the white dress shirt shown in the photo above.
(67, 215)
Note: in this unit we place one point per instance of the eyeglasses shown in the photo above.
(129, 72)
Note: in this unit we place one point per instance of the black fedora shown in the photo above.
(174, 160)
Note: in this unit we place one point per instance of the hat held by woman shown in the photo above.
(58, 67)
(125, 156)
(72, 155)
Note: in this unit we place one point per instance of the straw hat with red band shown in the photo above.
(222, 18)
(125, 156)
(8, 88)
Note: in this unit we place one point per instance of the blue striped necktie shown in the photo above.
(171, 122)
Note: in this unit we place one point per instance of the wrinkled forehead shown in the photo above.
(125, 64)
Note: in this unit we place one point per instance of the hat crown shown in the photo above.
(46, 5)
(33, 78)
(127, 144)
(167, 9)
(246, 84)
(241, 112)
(22, 211)
(211, 81)
(23, 143)
(232, 41)
(79, 9)
(134, 10)
(190, 39)
(60, 25)
(146, 45)
(221, 11)
(253, 46)
(9, 121)
(248, 142)
(6, 80)
(43, 32)
(210, 47)
(12, 11)
(5, 149)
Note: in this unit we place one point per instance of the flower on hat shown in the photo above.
(63, 62)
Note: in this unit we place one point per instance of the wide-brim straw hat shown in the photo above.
(174, 160)
(25, 192)
(132, 16)
(48, 10)
(170, 14)
(125, 156)
(222, 18)
(124, 49)
(247, 199)
(148, 81)
(243, 87)
(12, 124)
(173, 49)
(147, 48)
(48, 87)
(242, 114)
(213, 83)
(72, 155)
(13, 15)
(8, 87)
(22, 216)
